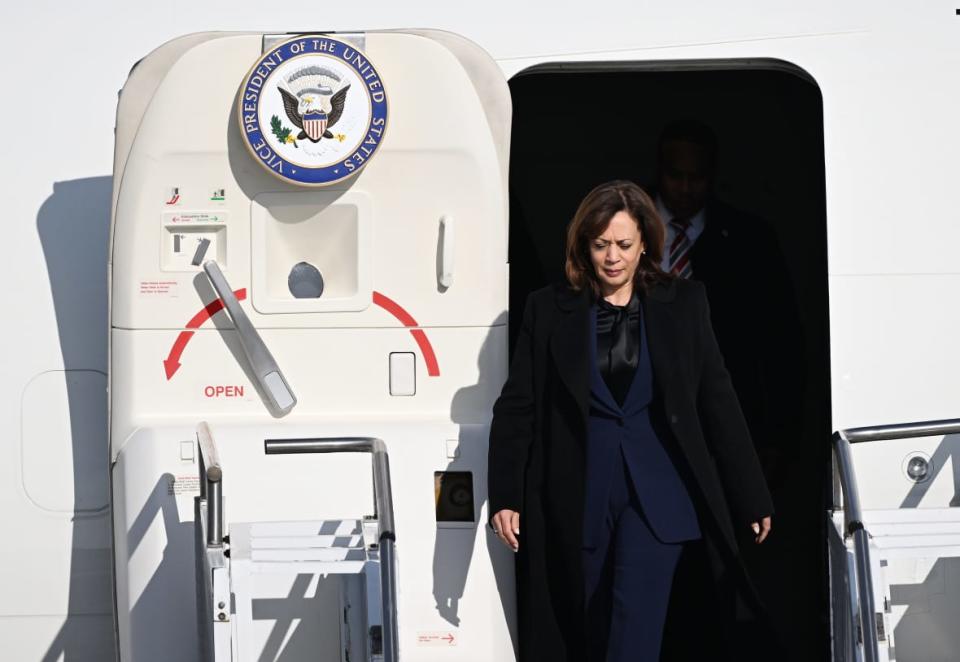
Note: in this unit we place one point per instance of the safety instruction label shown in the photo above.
(194, 217)
(177, 485)
(164, 288)
(442, 639)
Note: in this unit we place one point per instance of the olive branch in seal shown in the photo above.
(282, 132)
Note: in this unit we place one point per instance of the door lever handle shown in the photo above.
(270, 379)
(445, 275)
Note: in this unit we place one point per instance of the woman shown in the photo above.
(617, 441)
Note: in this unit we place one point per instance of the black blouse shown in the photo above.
(618, 344)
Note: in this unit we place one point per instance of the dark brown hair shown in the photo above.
(591, 220)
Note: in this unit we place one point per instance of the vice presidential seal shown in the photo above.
(313, 110)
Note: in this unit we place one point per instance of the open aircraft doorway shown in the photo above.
(575, 126)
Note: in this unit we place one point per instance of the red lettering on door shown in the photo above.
(223, 391)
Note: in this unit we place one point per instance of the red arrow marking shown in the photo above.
(448, 638)
(172, 363)
(406, 318)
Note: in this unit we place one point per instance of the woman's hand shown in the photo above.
(506, 524)
(761, 529)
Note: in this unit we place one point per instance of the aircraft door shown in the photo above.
(309, 241)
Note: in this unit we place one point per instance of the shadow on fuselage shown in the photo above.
(927, 630)
(73, 226)
(454, 546)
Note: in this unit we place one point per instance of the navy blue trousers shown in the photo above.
(628, 578)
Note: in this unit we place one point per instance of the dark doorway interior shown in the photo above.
(574, 128)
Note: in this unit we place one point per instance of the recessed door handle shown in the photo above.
(445, 277)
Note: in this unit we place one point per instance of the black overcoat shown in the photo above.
(537, 452)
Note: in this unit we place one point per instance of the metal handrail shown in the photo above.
(903, 430)
(211, 484)
(383, 503)
(853, 516)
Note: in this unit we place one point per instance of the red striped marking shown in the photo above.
(172, 363)
(407, 320)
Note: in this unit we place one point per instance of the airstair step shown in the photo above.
(904, 531)
(326, 546)
(908, 528)
(329, 554)
(913, 515)
(322, 568)
(330, 527)
(307, 542)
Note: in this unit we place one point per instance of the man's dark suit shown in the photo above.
(756, 322)
(754, 313)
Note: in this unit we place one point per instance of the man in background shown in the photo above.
(754, 313)
(737, 257)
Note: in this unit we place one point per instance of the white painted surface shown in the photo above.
(403, 373)
(337, 241)
(380, 254)
(886, 74)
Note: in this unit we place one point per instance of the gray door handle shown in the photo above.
(265, 369)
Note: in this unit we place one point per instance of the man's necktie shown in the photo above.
(680, 250)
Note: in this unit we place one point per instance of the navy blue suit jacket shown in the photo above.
(614, 432)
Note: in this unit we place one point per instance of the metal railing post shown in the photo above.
(211, 484)
(853, 526)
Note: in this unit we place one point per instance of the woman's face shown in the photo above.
(616, 253)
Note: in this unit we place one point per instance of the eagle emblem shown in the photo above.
(313, 98)
(313, 111)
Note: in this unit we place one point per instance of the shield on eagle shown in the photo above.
(314, 97)
(315, 124)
